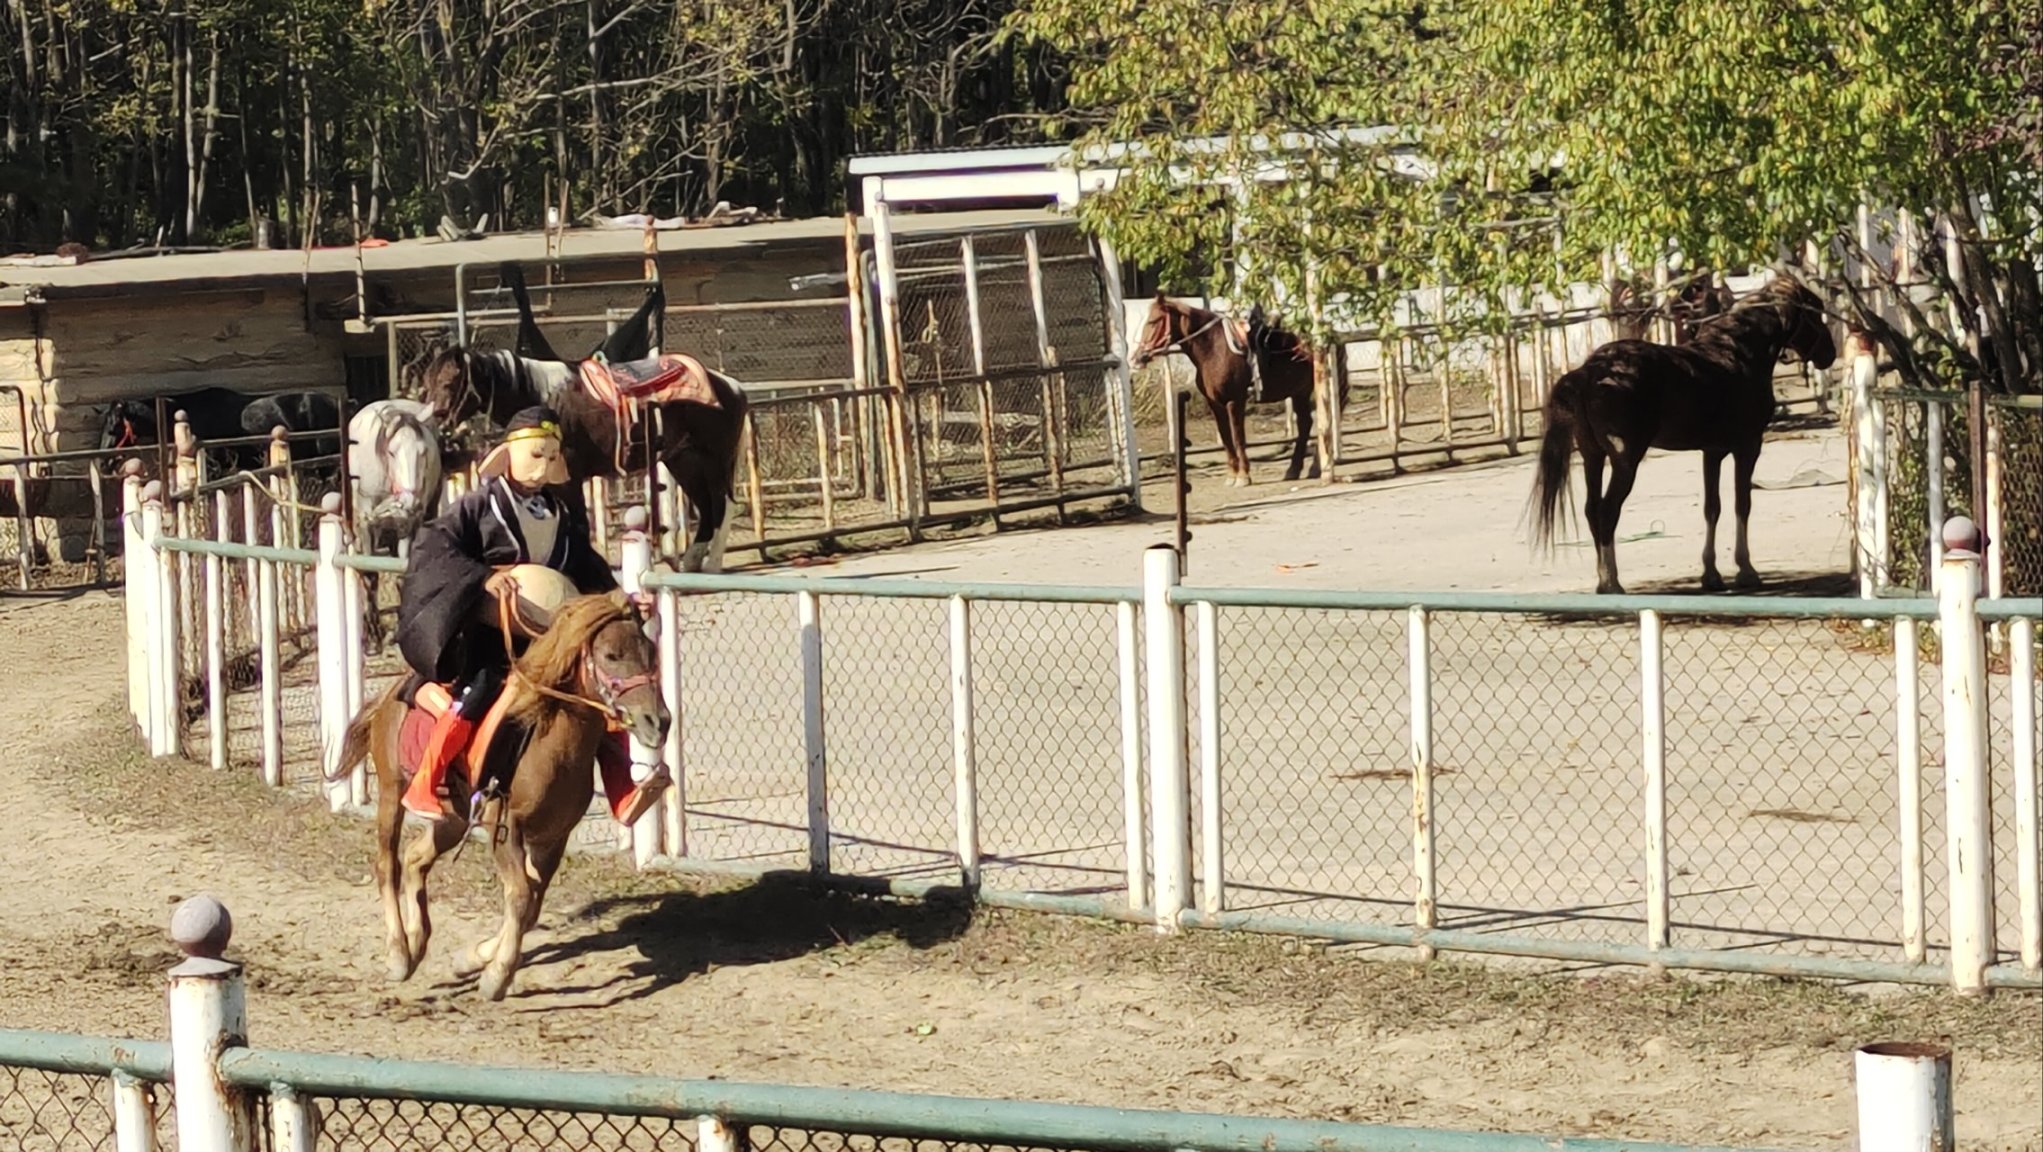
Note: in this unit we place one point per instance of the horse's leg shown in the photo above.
(1237, 419)
(436, 841)
(1301, 414)
(389, 843)
(1742, 463)
(1713, 504)
(1221, 427)
(1623, 470)
(518, 909)
(1592, 501)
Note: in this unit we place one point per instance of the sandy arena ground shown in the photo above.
(649, 974)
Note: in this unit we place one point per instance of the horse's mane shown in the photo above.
(554, 660)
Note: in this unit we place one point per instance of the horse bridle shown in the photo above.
(610, 689)
(1178, 344)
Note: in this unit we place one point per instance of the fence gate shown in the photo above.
(1006, 353)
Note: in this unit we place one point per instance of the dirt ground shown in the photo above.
(766, 982)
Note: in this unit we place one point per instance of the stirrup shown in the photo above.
(643, 796)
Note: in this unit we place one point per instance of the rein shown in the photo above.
(610, 687)
(1178, 345)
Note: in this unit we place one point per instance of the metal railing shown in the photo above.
(1728, 783)
(230, 1097)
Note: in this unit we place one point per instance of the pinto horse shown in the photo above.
(1219, 350)
(594, 664)
(1713, 394)
(698, 443)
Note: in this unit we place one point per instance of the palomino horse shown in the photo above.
(1219, 355)
(593, 664)
(394, 470)
(1713, 395)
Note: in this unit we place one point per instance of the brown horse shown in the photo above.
(1698, 298)
(593, 664)
(1219, 350)
(1712, 395)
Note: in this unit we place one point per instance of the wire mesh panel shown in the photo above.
(356, 1124)
(1315, 730)
(1780, 795)
(742, 735)
(2020, 435)
(1536, 794)
(1048, 727)
(70, 1112)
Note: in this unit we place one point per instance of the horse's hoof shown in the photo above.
(493, 986)
(1612, 588)
(1291, 474)
(1748, 579)
(1712, 582)
(692, 558)
(400, 966)
(468, 964)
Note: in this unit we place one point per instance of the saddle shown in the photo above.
(489, 755)
(665, 379)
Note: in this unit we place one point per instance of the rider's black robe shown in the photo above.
(453, 554)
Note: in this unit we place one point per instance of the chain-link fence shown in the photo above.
(1929, 475)
(45, 1111)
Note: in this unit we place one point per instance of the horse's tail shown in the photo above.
(1550, 492)
(355, 743)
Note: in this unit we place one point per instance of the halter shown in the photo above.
(1178, 345)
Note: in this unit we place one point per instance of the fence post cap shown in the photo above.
(330, 504)
(279, 432)
(201, 928)
(131, 468)
(1960, 534)
(634, 519)
(152, 491)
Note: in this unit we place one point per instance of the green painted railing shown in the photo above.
(897, 588)
(85, 1055)
(1009, 1123)
(1563, 603)
(231, 551)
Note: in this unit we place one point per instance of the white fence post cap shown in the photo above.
(1960, 534)
(201, 928)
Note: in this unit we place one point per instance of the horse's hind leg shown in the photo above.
(1237, 420)
(1742, 463)
(1623, 470)
(427, 847)
(389, 842)
(1713, 505)
(1301, 413)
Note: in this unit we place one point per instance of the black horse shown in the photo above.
(1712, 394)
(698, 443)
(216, 414)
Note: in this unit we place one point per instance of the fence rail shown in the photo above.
(230, 1097)
(1730, 783)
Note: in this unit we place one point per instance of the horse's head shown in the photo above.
(446, 384)
(1802, 318)
(393, 459)
(1169, 323)
(600, 649)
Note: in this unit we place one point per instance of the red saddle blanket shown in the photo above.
(665, 379)
(428, 702)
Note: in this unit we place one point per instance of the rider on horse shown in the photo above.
(524, 513)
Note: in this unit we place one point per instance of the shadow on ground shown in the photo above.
(664, 938)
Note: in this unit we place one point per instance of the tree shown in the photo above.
(1523, 140)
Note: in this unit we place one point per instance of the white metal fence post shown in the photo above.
(1869, 426)
(809, 619)
(1904, 1097)
(216, 635)
(208, 1014)
(1212, 865)
(1170, 831)
(1136, 847)
(161, 636)
(294, 1120)
(1121, 406)
(269, 636)
(1420, 660)
(1908, 787)
(964, 743)
(635, 557)
(674, 810)
(138, 585)
(2028, 800)
(134, 1113)
(1653, 734)
(1967, 818)
(330, 605)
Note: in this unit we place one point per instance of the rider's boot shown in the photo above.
(424, 795)
(628, 801)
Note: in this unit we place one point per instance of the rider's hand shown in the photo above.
(500, 584)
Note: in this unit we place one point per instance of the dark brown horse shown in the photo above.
(1712, 395)
(699, 444)
(1219, 349)
(593, 664)
(1697, 298)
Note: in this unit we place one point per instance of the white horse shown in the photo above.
(394, 467)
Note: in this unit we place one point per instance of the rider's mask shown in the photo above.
(532, 457)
